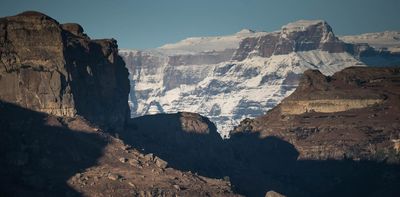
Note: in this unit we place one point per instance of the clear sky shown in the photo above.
(143, 24)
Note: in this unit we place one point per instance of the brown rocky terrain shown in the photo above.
(344, 130)
(353, 114)
(45, 155)
(256, 164)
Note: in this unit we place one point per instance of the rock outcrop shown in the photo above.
(353, 114)
(57, 69)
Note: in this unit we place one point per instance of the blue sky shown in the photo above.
(151, 23)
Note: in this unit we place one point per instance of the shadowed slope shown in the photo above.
(43, 155)
(40, 153)
(254, 164)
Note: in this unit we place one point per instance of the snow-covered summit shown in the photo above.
(213, 43)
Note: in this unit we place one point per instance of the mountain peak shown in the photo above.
(313, 28)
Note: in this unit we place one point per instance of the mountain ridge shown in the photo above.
(177, 80)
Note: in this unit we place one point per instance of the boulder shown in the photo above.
(161, 163)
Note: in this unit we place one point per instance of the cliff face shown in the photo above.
(57, 69)
(353, 114)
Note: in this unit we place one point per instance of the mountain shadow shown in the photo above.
(39, 153)
(255, 165)
(164, 135)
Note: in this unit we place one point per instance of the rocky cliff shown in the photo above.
(56, 68)
(353, 114)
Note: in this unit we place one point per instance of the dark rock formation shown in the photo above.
(57, 69)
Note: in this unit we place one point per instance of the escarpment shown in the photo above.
(57, 69)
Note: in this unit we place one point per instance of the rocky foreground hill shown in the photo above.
(62, 94)
(353, 114)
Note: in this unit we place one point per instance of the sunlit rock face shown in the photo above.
(229, 78)
(57, 69)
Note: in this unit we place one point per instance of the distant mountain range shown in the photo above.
(229, 78)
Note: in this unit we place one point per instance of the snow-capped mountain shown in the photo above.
(229, 78)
